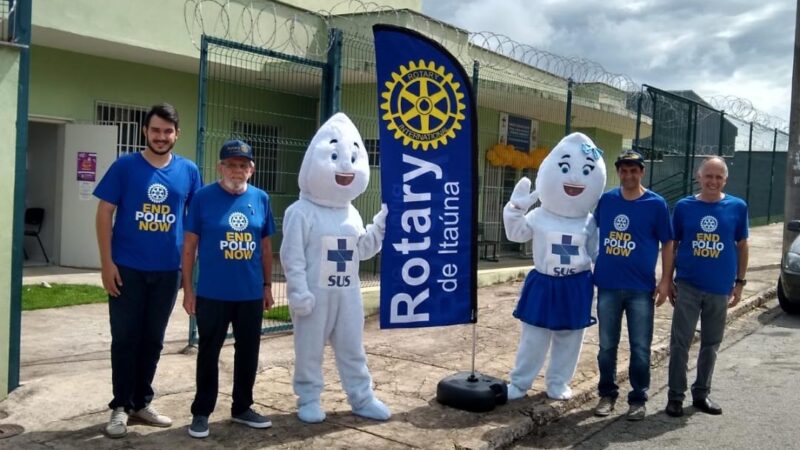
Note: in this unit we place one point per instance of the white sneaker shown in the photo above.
(604, 406)
(150, 416)
(118, 424)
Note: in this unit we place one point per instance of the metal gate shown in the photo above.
(274, 102)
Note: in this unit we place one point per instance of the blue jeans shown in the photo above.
(138, 318)
(639, 308)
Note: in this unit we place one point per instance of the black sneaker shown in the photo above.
(199, 427)
(252, 419)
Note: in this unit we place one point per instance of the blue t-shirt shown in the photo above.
(151, 203)
(707, 234)
(230, 228)
(630, 232)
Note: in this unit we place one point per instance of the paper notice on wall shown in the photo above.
(85, 189)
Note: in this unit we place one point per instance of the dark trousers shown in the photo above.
(692, 304)
(213, 318)
(138, 318)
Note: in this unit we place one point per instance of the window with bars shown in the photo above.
(373, 147)
(263, 139)
(129, 121)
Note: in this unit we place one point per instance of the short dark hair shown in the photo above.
(164, 111)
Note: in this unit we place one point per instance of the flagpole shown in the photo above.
(472, 377)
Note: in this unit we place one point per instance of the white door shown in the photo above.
(84, 157)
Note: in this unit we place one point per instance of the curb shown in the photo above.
(535, 417)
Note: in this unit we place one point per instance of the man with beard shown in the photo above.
(140, 255)
(228, 227)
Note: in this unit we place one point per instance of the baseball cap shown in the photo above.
(630, 156)
(234, 148)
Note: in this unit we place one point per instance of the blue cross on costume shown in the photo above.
(341, 255)
(565, 249)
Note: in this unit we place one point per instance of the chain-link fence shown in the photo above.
(685, 129)
(271, 101)
(283, 73)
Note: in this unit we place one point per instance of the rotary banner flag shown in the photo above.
(428, 159)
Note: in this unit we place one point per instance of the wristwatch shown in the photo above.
(741, 281)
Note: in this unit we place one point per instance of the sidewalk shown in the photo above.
(67, 379)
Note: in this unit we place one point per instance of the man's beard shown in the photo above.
(169, 149)
(234, 186)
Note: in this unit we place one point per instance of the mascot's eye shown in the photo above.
(564, 167)
(333, 141)
(334, 156)
(353, 159)
(587, 169)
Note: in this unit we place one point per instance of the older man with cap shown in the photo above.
(228, 227)
(632, 221)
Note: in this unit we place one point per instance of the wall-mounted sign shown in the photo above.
(521, 132)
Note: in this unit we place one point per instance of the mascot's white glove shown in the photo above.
(301, 304)
(380, 218)
(522, 198)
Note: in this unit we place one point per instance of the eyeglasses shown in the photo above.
(236, 165)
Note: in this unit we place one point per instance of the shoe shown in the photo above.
(636, 412)
(514, 393)
(604, 406)
(252, 419)
(707, 406)
(374, 409)
(311, 413)
(674, 408)
(562, 392)
(150, 416)
(199, 427)
(118, 424)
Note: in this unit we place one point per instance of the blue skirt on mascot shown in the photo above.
(557, 303)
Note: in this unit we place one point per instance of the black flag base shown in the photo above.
(472, 391)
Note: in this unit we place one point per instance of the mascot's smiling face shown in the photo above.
(335, 168)
(572, 177)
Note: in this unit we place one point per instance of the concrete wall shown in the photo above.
(9, 84)
(67, 85)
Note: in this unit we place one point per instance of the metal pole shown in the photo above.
(332, 74)
(653, 137)
(694, 151)
(791, 201)
(568, 125)
(688, 154)
(721, 123)
(772, 176)
(749, 164)
(638, 120)
(20, 23)
(201, 103)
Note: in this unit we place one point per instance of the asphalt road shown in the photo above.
(756, 381)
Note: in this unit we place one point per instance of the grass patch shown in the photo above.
(278, 313)
(61, 295)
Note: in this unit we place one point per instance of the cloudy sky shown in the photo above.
(715, 47)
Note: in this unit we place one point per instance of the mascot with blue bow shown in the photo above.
(556, 300)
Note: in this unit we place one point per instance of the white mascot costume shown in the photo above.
(556, 300)
(323, 241)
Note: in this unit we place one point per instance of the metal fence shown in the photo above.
(274, 92)
(685, 129)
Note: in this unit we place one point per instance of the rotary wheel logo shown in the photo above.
(238, 221)
(157, 193)
(423, 105)
(621, 222)
(708, 224)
